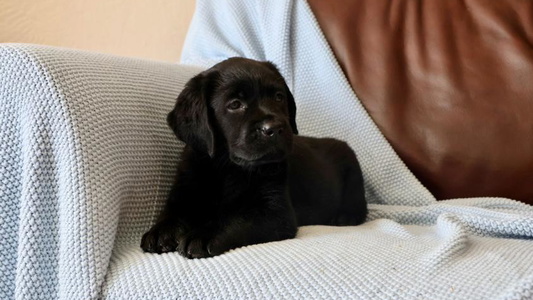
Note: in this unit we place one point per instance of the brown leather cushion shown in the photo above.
(449, 83)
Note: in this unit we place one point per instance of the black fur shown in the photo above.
(245, 176)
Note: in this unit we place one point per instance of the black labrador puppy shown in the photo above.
(245, 176)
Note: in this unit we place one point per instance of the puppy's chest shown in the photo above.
(244, 190)
(234, 188)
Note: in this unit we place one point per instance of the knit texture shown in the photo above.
(84, 148)
(87, 161)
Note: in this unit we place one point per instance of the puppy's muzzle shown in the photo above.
(269, 141)
(271, 129)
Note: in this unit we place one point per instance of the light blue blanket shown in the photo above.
(87, 161)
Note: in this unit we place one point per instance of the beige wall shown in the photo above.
(152, 29)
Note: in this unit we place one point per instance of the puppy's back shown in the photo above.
(323, 174)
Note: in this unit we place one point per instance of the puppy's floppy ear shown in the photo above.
(292, 110)
(290, 99)
(191, 118)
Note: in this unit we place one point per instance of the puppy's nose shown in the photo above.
(271, 129)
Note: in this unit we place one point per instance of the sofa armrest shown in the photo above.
(83, 139)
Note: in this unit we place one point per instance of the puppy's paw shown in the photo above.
(196, 244)
(162, 237)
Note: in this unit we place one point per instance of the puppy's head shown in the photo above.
(241, 107)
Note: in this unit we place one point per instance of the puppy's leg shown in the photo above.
(353, 210)
(165, 234)
(189, 206)
(273, 220)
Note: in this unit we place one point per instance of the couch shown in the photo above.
(87, 159)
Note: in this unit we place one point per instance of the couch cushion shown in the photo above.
(449, 83)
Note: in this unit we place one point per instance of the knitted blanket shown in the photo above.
(87, 161)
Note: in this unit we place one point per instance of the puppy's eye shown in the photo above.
(280, 97)
(234, 105)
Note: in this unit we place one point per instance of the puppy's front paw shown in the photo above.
(195, 244)
(162, 237)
